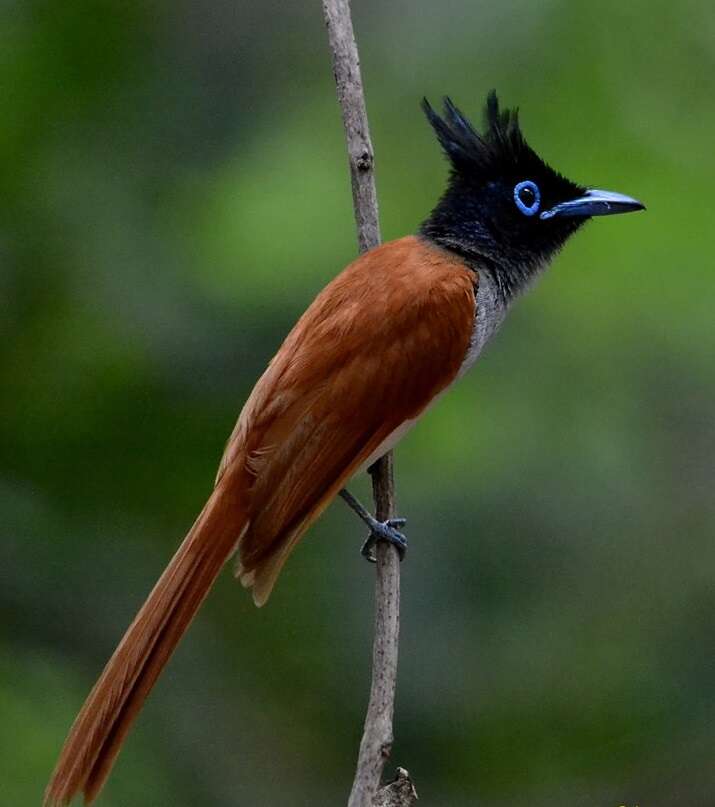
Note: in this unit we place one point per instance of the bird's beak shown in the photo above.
(594, 203)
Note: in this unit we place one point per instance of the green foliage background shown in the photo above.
(173, 194)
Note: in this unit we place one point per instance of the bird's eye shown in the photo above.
(527, 197)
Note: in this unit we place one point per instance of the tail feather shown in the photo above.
(101, 726)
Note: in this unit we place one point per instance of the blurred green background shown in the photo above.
(173, 193)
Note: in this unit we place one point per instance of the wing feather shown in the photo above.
(371, 352)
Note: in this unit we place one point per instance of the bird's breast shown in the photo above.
(490, 311)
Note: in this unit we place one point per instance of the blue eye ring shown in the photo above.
(533, 208)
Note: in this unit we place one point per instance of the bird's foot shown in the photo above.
(379, 530)
(385, 531)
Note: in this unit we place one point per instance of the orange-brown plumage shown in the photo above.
(368, 356)
(370, 353)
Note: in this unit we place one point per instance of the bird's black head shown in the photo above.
(504, 206)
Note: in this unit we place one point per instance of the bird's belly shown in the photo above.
(391, 440)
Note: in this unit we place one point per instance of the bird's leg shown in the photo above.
(379, 530)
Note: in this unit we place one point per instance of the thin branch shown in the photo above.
(377, 735)
(348, 82)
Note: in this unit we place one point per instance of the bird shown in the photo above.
(376, 347)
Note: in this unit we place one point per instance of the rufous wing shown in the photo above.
(370, 353)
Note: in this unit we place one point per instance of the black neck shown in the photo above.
(459, 224)
(512, 272)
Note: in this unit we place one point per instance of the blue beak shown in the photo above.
(594, 203)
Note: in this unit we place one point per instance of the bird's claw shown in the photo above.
(385, 531)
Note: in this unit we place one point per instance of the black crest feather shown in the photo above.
(499, 146)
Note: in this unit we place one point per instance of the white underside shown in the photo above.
(388, 444)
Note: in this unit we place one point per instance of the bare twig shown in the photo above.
(398, 793)
(346, 69)
(377, 735)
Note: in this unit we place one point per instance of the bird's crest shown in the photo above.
(498, 148)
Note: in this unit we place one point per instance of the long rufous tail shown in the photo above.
(97, 734)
